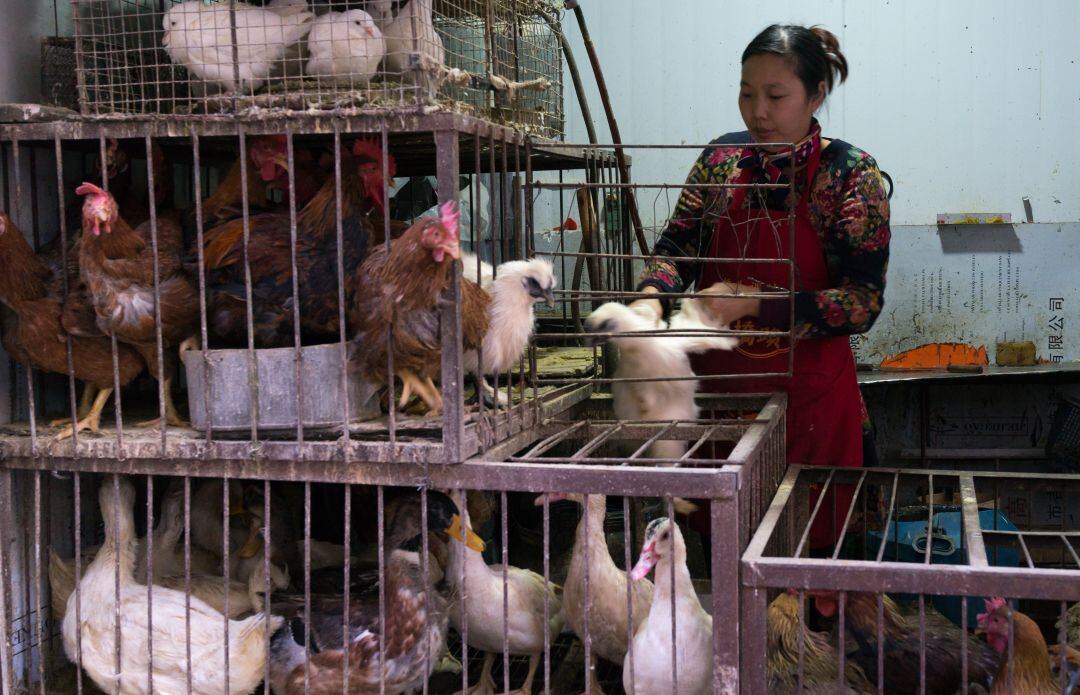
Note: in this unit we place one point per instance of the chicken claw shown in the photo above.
(172, 415)
(92, 420)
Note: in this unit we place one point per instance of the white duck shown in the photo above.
(345, 46)
(199, 37)
(693, 626)
(247, 638)
(484, 610)
(608, 619)
(656, 356)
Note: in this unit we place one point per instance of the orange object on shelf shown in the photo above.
(937, 356)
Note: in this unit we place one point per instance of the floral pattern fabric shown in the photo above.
(847, 205)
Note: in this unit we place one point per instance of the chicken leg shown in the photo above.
(527, 687)
(172, 415)
(92, 419)
(434, 397)
(86, 401)
(425, 388)
(486, 684)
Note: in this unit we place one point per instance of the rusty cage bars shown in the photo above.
(738, 477)
(497, 59)
(1035, 561)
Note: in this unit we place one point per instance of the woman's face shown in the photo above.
(773, 101)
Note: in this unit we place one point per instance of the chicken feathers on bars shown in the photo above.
(200, 37)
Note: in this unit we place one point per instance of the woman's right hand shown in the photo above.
(646, 305)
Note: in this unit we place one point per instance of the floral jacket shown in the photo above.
(847, 205)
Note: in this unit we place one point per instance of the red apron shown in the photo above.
(824, 411)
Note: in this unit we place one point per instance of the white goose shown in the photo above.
(693, 626)
(484, 610)
(608, 618)
(247, 638)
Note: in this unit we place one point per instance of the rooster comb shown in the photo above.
(992, 605)
(87, 188)
(449, 216)
(367, 147)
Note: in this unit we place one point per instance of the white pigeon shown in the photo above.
(409, 28)
(346, 46)
(199, 37)
(656, 356)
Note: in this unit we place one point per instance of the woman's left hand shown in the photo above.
(728, 310)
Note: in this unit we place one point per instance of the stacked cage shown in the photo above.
(366, 414)
(498, 60)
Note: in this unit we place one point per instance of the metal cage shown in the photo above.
(920, 554)
(554, 431)
(500, 60)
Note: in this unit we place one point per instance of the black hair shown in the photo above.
(814, 53)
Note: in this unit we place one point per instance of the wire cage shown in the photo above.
(546, 418)
(923, 560)
(500, 59)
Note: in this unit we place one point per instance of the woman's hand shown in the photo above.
(728, 310)
(646, 305)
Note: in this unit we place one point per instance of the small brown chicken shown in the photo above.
(397, 303)
(820, 661)
(116, 262)
(1031, 659)
(32, 299)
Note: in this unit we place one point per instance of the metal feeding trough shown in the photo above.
(322, 394)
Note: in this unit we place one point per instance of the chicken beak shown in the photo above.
(549, 298)
(645, 563)
(550, 498)
(465, 535)
(281, 160)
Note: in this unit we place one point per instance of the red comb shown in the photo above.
(87, 188)
(449, 215)
(372, 149)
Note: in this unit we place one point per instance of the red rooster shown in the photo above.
(267, 170)
(363, 204)
(117, 268)
(397, 307)
(31, 297)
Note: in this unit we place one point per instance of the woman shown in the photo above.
(840, 253)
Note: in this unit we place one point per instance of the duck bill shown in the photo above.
(251, 545)
(645, 563)
(465, 535)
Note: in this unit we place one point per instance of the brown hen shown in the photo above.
(31, 294)
(398, 299)
(116, 262)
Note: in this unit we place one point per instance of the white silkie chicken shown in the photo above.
(199, 37)
(656, 356)
(409, 28)
(515, 287)
(652, 647)
(345, 46)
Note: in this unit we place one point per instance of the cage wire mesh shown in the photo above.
(499, 59)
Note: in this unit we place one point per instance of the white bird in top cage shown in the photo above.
(346, 46)
(656, 356)
(199, 37)
(515, 287)
(409, 28)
